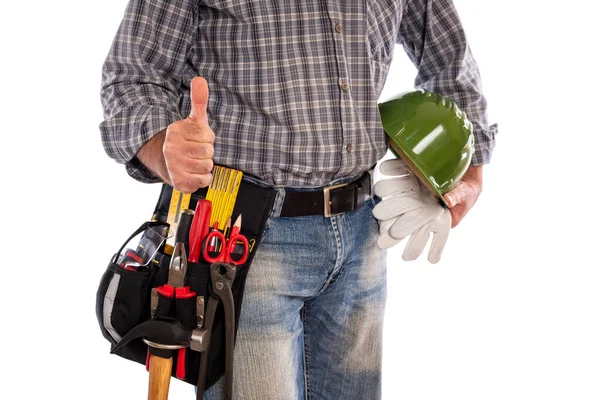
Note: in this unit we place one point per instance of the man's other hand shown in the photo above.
(463, 197)
(182, 154)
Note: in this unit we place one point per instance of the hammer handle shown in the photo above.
(160, 377)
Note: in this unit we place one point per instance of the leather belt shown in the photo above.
(328, 201)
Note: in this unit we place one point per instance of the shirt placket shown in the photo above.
(347, 120)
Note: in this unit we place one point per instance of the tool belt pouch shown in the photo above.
(124, 297)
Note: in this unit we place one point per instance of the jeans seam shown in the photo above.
(339, 264)
(331, 275)
(307, 395)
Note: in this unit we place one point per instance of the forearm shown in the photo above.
(124, 137)
(142, 82)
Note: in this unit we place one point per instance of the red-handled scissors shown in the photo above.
(225, 248)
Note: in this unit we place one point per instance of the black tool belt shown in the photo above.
(128, 314)
(326, 201)
(124, 297)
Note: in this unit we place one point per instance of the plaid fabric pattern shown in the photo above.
(293, 85)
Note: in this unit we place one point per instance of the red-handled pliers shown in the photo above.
(175, 287)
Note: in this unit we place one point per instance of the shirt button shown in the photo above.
(349, 148)
(338, 28)
(345, 86)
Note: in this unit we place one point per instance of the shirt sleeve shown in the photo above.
(433, 37)
(141, 87)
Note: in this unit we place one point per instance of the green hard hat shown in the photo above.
(432, 135)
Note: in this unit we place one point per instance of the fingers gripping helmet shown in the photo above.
(432, 135)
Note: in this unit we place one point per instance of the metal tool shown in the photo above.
(178, 267)
(160, 366)
(226, 248)
(222, 276)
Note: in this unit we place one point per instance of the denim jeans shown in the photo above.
(312, 315)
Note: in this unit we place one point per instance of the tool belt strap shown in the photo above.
(326, 201)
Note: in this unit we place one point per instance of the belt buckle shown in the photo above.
(327, 199)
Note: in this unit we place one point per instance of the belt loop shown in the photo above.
(278, 204)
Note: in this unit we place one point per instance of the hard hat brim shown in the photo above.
(417, 171)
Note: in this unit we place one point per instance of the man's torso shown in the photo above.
(294, 85)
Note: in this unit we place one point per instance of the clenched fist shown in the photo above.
(182, 155)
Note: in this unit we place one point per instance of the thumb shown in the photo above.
(455, 197)
(199, 100)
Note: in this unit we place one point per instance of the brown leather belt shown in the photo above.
(327, 201)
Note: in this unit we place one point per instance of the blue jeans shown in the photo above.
(312, 315)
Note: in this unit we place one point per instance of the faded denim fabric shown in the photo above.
(312, 315)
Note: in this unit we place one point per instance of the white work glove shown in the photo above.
(408, 208)
(440, 228)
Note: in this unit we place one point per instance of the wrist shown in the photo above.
(152, 157)
(475, 173)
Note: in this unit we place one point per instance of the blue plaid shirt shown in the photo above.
(293, 85)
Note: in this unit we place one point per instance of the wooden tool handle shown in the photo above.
(160, 378)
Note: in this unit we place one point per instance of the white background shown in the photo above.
(511, 311)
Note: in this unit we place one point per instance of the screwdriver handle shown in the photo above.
(199, 229)
(183, 229)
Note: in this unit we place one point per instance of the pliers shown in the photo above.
(221, 276)
(175, 288)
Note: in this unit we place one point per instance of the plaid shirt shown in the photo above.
(293, 85)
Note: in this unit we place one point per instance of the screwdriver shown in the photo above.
(183, 228)
(199, 229)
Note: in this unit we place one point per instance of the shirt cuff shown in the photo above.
(485, 141)
(125, 134)
(139, 172)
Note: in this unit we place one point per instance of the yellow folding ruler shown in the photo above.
(222, 192)
(179, 202)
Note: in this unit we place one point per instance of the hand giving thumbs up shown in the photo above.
(188, 147)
